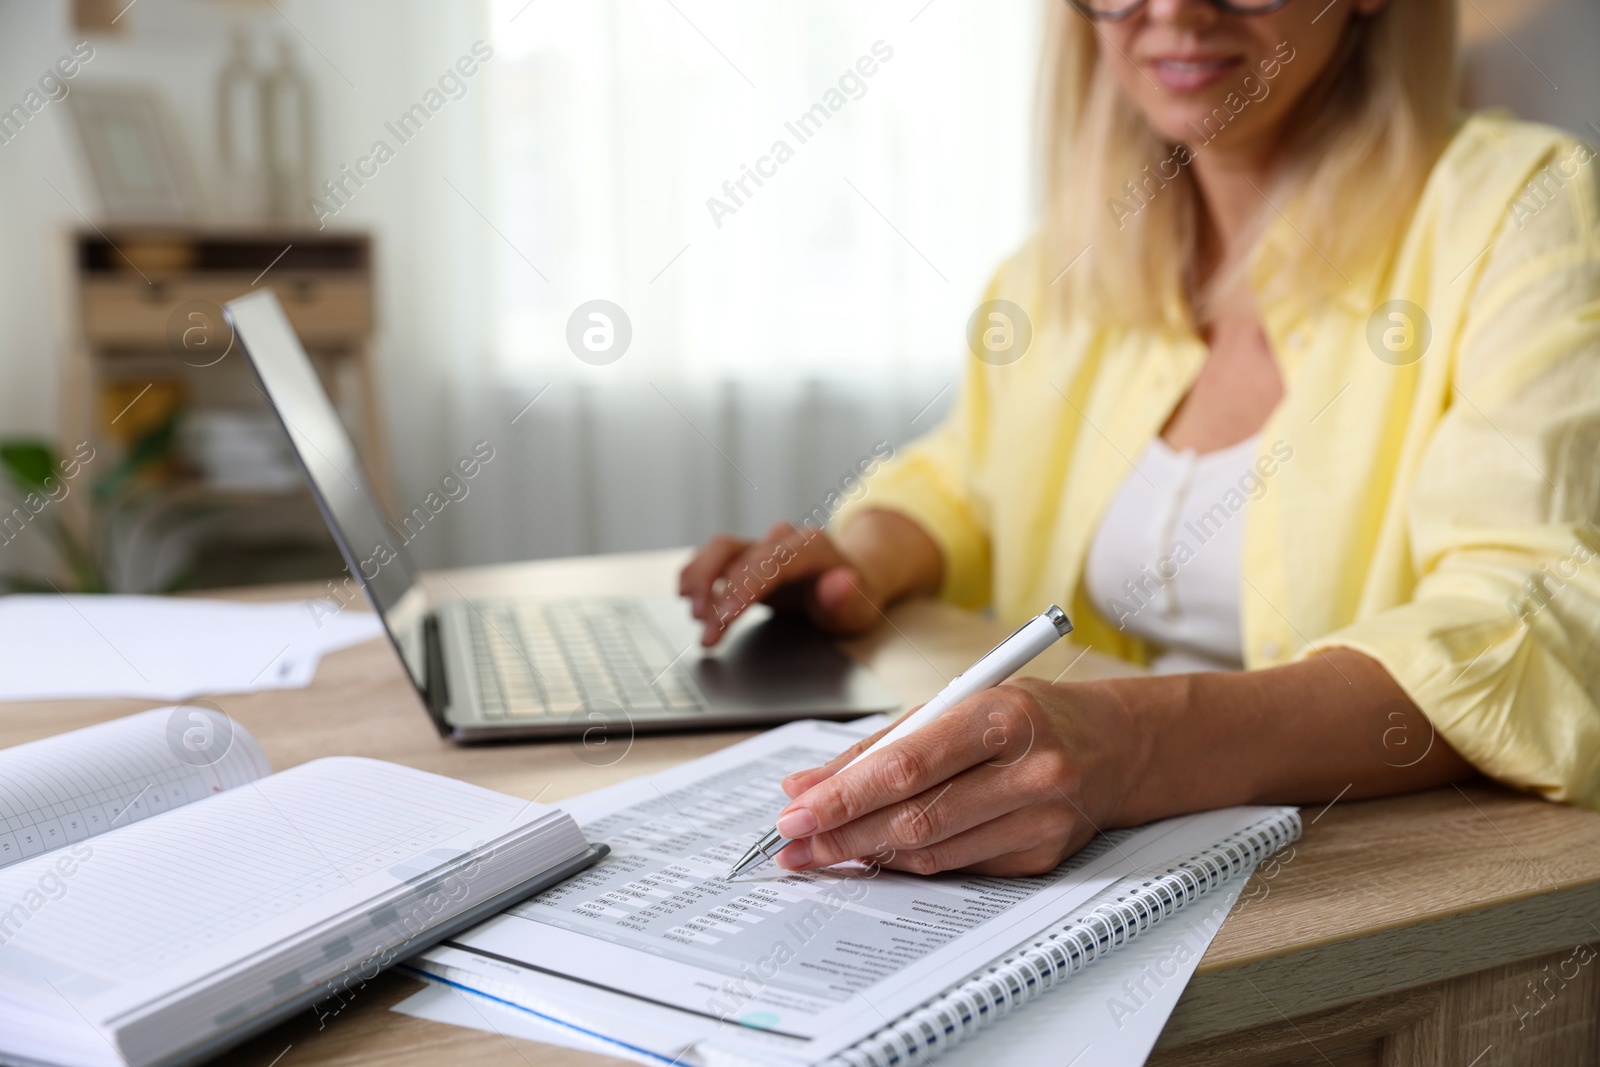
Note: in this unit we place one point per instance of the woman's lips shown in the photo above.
(1191, 74)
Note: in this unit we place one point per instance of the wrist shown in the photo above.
(893, 556)
(1145, 786)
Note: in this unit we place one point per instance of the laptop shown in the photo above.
(596, 668)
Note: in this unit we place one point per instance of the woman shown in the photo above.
(1314, 390)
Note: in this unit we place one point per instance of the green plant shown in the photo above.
(34, 473)
(41, 480)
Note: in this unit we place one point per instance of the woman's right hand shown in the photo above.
(792, 567)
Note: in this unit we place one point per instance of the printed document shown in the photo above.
(1110, 1015)
(654, 944)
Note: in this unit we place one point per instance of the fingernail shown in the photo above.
(795, 855)
(797, 823)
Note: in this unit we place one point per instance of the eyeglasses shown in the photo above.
(1117, 10)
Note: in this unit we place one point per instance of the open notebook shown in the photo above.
(163, 896)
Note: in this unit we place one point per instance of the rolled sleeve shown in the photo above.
(920, 486)
(1500, 643)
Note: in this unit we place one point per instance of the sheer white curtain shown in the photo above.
(795, 206)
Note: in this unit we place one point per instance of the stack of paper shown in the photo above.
(654, 954)
(70, 646)
(1110, 1015)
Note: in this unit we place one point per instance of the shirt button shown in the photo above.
(1297, 339)
(1270, 650)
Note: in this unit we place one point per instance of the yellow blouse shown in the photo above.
(1428, 490)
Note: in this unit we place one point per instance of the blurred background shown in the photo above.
(435, 187)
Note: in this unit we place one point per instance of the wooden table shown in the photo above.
(1449, 928)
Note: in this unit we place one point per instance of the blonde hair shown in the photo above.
(1365, 136)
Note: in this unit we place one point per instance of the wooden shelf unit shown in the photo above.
(132, 287)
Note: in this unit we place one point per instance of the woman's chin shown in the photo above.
(1177, 124)
(1193, 123)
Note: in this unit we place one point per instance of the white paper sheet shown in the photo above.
(1111, 1014)
(1092, 1018)
(76, 646)
(653, 945)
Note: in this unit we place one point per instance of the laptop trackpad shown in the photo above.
(783, 662)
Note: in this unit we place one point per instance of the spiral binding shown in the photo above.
(1028, 972)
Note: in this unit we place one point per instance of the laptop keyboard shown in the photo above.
(537, 660)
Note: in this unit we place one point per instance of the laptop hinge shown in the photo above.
(437, 690)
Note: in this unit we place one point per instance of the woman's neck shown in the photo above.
(1233, 194)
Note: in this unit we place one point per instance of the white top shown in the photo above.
(1165, 562)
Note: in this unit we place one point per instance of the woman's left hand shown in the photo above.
(1008, 782)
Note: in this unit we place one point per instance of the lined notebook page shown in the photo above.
(76, 785)
(247, 869)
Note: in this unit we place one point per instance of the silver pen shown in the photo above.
(1001, 662)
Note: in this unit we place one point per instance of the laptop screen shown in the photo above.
(374, 553)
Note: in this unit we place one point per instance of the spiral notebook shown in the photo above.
(651, 955)
(1129, 908)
